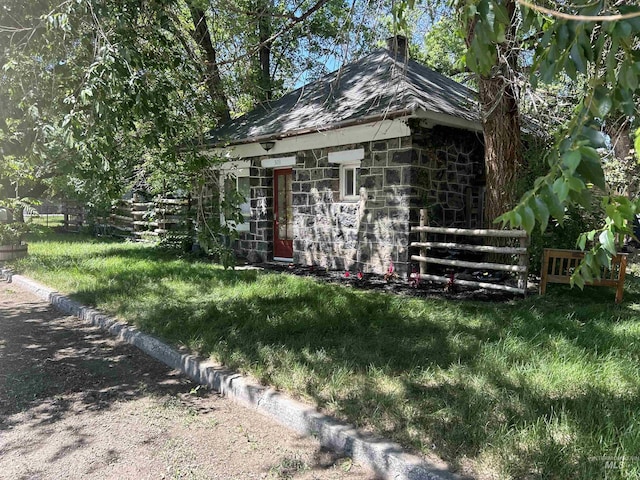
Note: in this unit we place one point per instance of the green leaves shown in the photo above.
(542, 213)
(528, 218)
(561, 189)
(601, 102)
(501, 14)
(490, 21)
(399, 11)
(444, 48)
(553, 203)
(603, 57)
(590, 168)
(571, 159)
(525, 215)
(103, 95)
(595, 139)
(607, 241)
(576, 56)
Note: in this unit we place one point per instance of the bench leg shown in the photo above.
(619, 292)
(543, 273)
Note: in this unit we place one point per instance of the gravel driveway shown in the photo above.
(77, 404)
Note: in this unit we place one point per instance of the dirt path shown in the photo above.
(76, 404)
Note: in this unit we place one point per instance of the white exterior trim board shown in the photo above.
(347, 156)
(449, 121)
(279, 162)
(382, 130)
(235, 165)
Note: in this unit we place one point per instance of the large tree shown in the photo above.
(98, 97)
(594, 42)
(498, 90)
(91, 86)
(97, 92)
(513, 45)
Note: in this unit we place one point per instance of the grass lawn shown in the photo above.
(47, 220)
(537, 388)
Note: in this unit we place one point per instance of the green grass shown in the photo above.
(547, 387)
(47, 220)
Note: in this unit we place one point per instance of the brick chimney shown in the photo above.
(398, 46)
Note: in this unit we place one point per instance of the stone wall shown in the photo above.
(256, 245)
(368, 234)
(449, 174)
(439, 168)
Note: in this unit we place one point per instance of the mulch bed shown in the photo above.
(397, 284)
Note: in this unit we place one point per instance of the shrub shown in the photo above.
(577, 219)
(12, 233)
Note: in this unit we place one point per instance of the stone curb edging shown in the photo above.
(383, 457)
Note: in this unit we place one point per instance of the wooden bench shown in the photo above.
(558, 266)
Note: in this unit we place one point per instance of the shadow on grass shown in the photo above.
(104, 268)
(537, 428)
(488, 358)
(537, 388)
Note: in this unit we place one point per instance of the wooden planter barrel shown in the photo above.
(11, 252)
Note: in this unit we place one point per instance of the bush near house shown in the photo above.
(12, 233)
(546, 387)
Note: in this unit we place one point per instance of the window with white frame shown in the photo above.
(234, 179)
(350, 181)
(349, 162)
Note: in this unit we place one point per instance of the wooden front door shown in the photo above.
(282, 214)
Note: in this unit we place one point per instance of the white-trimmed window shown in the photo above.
(349, 162)
(234, 177)
(350, 181)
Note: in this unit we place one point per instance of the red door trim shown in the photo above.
(282, 248)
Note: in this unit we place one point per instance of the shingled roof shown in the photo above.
(379, 85)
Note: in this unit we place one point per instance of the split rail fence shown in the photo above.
(519, 236)
(72, 216)
(140, 219)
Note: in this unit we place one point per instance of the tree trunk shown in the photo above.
(498, 93)
(18, 211)
(503, 147)
(620, 134)
(264, 33)
(18, 214)
(214, 82)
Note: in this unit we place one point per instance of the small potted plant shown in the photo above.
(11, 244)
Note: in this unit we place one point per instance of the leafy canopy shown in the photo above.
(596, 43)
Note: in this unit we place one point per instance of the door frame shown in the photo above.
(281, 247)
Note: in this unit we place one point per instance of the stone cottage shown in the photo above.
(336, 172)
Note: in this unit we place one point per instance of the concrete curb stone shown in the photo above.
(385, 458)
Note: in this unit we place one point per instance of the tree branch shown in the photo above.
(318, 5)
(214, 81)
(581, 18)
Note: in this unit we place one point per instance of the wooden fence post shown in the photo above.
(423, 239)
(523, 261)
(521, 269)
